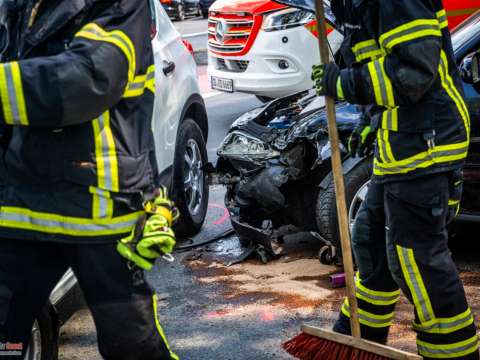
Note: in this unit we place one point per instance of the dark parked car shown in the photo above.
(180, 9)
(275, 162)
(204, 6)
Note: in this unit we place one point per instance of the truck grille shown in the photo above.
(239, 32)
(232, 65)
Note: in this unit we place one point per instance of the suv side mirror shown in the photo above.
(466, 69)
(475, 69)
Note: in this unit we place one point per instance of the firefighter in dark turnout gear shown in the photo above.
(401, 66)
(77, 163)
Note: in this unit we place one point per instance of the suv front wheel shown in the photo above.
(190, 187)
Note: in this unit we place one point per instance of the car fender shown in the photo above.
(348, 165)
(195, 108)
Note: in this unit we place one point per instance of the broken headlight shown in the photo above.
(240, 145)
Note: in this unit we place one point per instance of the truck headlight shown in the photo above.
(242, 146)
(286, 19)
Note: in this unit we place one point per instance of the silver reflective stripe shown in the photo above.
(136, 86)
(409, 31)
(451, 349)
(414, 164)
(377, 297)
(12, 95)
(381, 81)
(103, 200)
(86, 228)
(416, 286)
(366, 50)
(443, 326)
(362, 315)
(106, 151)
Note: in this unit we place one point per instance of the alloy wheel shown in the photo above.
(193, 176)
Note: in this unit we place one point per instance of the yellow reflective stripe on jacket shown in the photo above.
(374, 297)
(448, 351)
(410, 31)
(415, 284)
(369, 319)
(118, 38)
(384, 147)
(11, 94)
(367, 50)
(140, 83)
(446, 325)
(382, 86)
(442, 19)
(390, 119)
(452, 91)
(105, 153)
(20, 218)
(160, 329)
(439, 154)
(102, 206)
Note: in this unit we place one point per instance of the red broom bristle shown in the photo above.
(309, 347)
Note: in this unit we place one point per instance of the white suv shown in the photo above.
(262, 47)
(180, 127)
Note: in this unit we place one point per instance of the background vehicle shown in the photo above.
(268, 49)
(205, 5)
(180, 9)
(275, 163)
(180, 128)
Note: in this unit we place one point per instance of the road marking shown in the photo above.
(186, 36)
(211, 94)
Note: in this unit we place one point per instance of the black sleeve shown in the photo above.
(411, 40)
(85, 80)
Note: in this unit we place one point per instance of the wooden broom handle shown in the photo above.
(338, 178)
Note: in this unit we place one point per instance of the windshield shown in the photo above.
(464, 32)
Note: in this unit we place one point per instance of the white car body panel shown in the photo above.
(263, 77)
(172, 90)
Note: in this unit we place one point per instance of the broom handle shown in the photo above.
(338, 178)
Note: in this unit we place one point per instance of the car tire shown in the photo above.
(191, 198)
(180, 12)
(44, 341)
(326, 207)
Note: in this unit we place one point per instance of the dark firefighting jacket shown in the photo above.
(76, 100)
(402, 65)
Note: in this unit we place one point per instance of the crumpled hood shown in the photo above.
(251, 6)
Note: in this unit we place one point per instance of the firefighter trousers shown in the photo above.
(122, 303)
(399, 241)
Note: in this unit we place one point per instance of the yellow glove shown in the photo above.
(152, 236)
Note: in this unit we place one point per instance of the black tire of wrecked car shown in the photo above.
(188, 224)
(49, 334)
(326, 208)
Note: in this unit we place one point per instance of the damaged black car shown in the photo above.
(275, 164)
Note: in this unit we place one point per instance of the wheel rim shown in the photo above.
(34, 350)
(357, 201)
(194, 177)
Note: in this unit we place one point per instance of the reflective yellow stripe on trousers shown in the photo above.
(107, 167)
(369, 319)
(448, 351)
(11, 94)
(382, 298)
(160, 329)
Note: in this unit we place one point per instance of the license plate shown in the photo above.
(222, 84)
